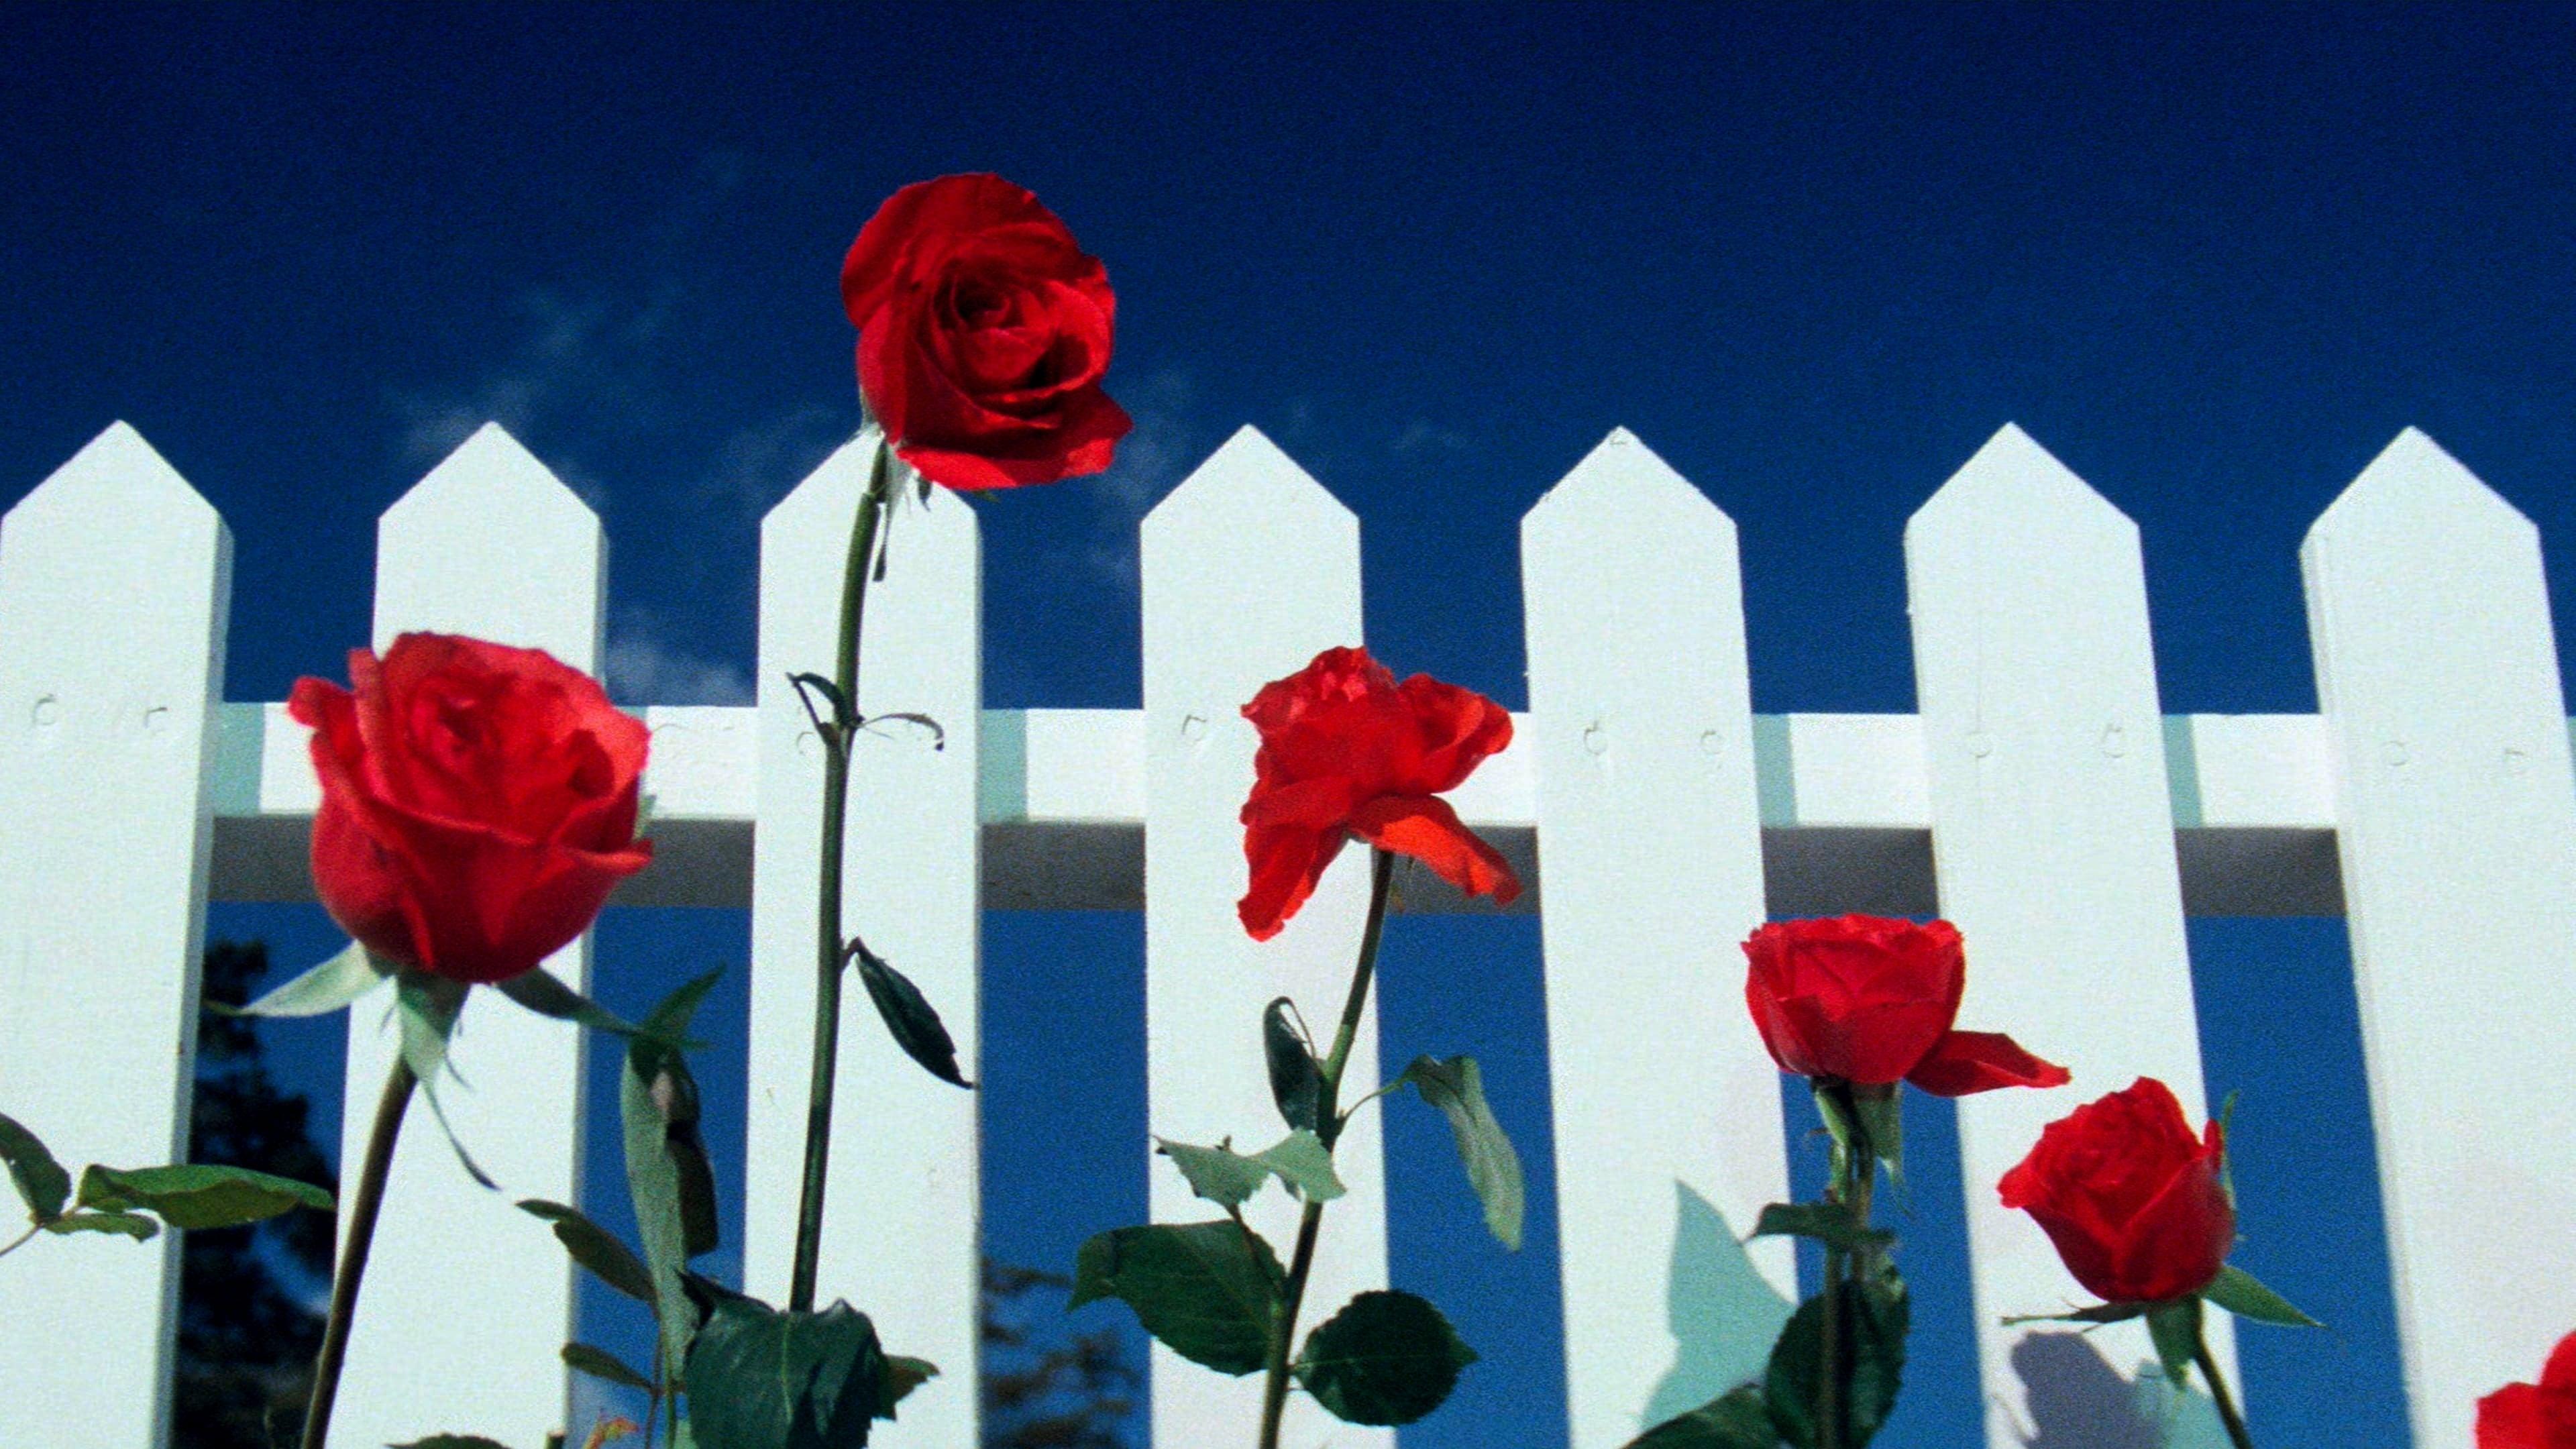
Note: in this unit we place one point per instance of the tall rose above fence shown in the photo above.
(984, 332)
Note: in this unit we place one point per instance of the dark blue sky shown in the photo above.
(2214, 257)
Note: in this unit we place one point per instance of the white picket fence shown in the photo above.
(2040, 797)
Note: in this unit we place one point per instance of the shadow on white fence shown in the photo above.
(2040, 797)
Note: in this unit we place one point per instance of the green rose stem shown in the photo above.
(1329, 1122)
(2218, 1393)
(363, 1208)
(829, 952)
(1855, 1174)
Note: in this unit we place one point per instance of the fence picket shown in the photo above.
(114, 581)
(900, 1201)
(2052, 836)
(1249, 569)
(2438, 678)
(489, 544)
(1668, 1129)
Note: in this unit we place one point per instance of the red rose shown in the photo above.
(478, 803)
(2534, 1416)
(1345, 750)
(983, 332)
(1870, 1000)
(2131, 1198)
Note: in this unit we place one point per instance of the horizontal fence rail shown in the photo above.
(2038, 797)
(1844, 799)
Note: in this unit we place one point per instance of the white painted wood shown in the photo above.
(2439, 679)
(1845, 771)
(1669, 1135)
(1062, 798)
(114, 581)
(1087, 767)
(2250, 771)
(489, 545)
(900, 1203)
(1071, 766)
(2053, 840)
(704, 760)
(1249, 569)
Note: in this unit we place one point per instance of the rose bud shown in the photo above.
(983, 334)
(2534, 1416)
(1870, 1000)
(2132, 1199)
(478, 803)
(1346, 751)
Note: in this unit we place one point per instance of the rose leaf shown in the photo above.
(1386, 1358)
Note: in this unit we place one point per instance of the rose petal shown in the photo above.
(1306, 804)
(2085, 1252)
(2129, 1196)
(362, 886)
(983, 333)
(1084, 443)
(1459, 728)
(1963, 1062)
(2179, 1241)
(1783, 1033)
(936, 211)
(2513, 1417)
(2560, 1375)
(1429, 830)
(493, 908)
(1286, 862)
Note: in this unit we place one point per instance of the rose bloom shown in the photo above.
(983, 334)
(1346, 751)
(2131, 1198)
(1869, 999)
(478, 803)
(2534, 1416)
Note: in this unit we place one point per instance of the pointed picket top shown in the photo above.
(1640, 710)
(118, 476)
(492, 544)
(1248, 482)
(491, 470)
(2413, 490)
(1998, 493)
(1249, 545)
(904, 1158)
(2455, 802)
(1622, 484)
(827, 494)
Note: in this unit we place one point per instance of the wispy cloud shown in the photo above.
(755, 466)
(643, 666)
(577, 358)
(1422, 437)
(609, 351)
(1167, 442)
